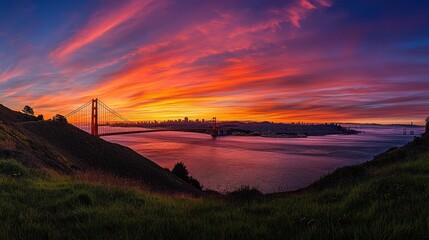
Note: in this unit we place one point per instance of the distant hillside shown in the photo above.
(237, 128)
(68, 150)
(7, 115)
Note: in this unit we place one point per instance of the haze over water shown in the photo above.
(270, 164)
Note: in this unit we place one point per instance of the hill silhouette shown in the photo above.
(8, 115)
(66, 149)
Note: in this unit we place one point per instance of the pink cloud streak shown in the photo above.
(100, 24)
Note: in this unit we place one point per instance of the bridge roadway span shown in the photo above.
(94, 115)
(149, 131)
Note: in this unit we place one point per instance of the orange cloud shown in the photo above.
(220, 59)
(165, 79)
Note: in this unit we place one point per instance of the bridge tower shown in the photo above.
(214, 131)
(214, 123)
(94, 117)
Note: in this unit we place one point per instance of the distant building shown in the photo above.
(186, 119)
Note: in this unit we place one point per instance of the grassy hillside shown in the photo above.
(65, 149)
(386, 198)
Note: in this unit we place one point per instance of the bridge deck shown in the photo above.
(138, 131)
(154, 130)
(95, 117)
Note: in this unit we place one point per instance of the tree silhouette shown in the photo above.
(59, 118)
(28, 110)
(40, 117)
(194, 182)
(427, 124)
(182, 172)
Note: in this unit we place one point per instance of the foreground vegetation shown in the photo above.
(386, 198)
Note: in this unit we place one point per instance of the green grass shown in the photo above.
(387, 198)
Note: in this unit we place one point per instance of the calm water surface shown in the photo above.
(270, 164)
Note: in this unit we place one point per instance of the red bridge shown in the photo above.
(97, 118)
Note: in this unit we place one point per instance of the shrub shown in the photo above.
(182, 172)
(12, 168)
(84, 199)
(194, 182)
(76, 200)
(59, 118)
(245, 193)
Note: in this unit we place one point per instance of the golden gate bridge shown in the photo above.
(98, 119)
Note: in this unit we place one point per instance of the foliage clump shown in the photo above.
(182, 172)
(59, 118)
(84, 199)
(246, 194)
(12, 168)
(28, 110)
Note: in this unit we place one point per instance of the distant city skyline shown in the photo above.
(282, 61)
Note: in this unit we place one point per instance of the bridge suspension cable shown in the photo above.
(95, 117)
(104, 106)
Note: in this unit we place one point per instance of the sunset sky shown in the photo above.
(284, 61)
